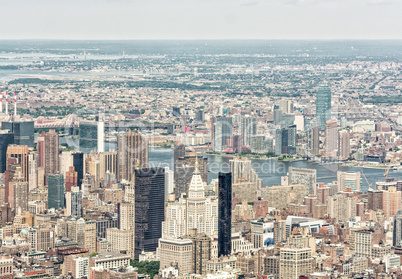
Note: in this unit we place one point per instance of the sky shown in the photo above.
(200, 19)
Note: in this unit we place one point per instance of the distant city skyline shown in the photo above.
(196, 19)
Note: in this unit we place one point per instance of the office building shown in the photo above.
(295, 262)
(241, 170)
(100, 136)
(307, 177)
(175, 223)
(178, 252)
(202, 246)
(78, 163)
(344, 145)
(331, 138)
(132, 153)
(23, 132)
(71, 178)
(6, 139)
(222, 133)
(121, 240)
(397, 232)
(248, 129)
(149, 208)
(88, 136)
(51, 153)
(225, 214)
(20, 152)
(323, 106)
(74, 203)
(341, 207)
(32, 170)
(391, 201)
(285, 140)
(350, 180)
(286, 106)
(202, 212)
(6, 267)
(277, 116)
(282, 196)
(55, 190)
(313, 140)
(18, 191)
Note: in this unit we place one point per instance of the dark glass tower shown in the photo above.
(323, 106)
(23, 132)
(225, 214)
(55, 188)
(78, 163)
(397, 233)
(149, 208)
(88, 136)
(6, 139)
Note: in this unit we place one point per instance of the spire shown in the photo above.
(196, 170)
(196, 188)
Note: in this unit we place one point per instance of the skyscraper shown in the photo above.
(23, 132)
(241, 168)
(248, 129)
(78, 163)
(149, 208)
(323, 106)
(20, 152)
(51, 153)
(132, 151)
(71, 178)
(285, 140)
(397, 233)
(185, 169)
(313, 140)
(331, 138)
(55, 182)
(344, 145)
(278, 142)
(18, 191)
(88, 136)
(277, 116)
(6, 139)
(306, 177)
(74, 203)
(225, 214)
(222, 132)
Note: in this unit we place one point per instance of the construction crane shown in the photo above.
(368, 183)
(389, 167)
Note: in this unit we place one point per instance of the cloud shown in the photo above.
(306, 2)
(381, 2)
(249, 3)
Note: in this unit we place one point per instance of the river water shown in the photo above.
(270, 171)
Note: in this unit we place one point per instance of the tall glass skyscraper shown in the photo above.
(55, 188)
(88, 136)
(149, 208)
(6, 139)
(323, 106)
(23, 132)
(225, 214)
(78, 163)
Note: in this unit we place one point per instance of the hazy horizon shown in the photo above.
(201, 20)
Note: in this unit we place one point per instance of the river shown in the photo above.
(270, 171)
